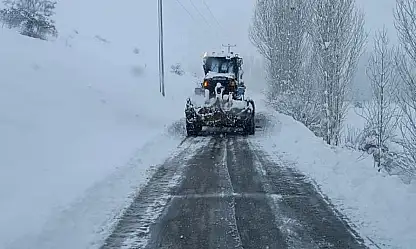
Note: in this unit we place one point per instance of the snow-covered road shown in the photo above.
(226, 192)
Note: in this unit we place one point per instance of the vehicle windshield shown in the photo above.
(219, 65)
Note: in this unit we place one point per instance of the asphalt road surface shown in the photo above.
(230, 194)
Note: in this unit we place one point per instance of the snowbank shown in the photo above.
(381, 206)
(68, 121)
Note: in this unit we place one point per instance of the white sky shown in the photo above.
(132, 23)
(379, 13)
(182, 30)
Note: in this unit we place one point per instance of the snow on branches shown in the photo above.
(31, 17)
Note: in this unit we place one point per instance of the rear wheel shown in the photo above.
(193, 128)
(252, 127)
(247, 128)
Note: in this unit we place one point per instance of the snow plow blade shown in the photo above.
(219, 114)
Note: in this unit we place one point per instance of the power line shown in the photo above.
(202, 16)
(212, 14)
(199, 12)
(192, 17)
(221, 28)
(187, 11)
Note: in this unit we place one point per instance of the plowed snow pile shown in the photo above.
(380, 207)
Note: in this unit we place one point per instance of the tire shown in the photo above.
(245, 131)
(250, 127)
(252, 130)
(193, 129)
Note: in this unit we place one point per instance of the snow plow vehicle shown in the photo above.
(219, 100)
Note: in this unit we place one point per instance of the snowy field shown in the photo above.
(70, 123)
(379, 205)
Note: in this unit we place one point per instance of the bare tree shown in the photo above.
(405, 16)
(338, 38)
(381, 113)
(33, 17)
(312, 49)
(279, 31)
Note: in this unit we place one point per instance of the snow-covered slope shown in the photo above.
(70, 119)
(380, 206)
(73, 112)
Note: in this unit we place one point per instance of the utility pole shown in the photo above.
(229, 47)
(161, 55)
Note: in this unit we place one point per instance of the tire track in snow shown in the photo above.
(290, 227)
(133, 228)
(193, 222)
(316, 221)
(231, 195)
(254, 216)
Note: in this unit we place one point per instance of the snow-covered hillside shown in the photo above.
(69, 120)
(76, 110)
